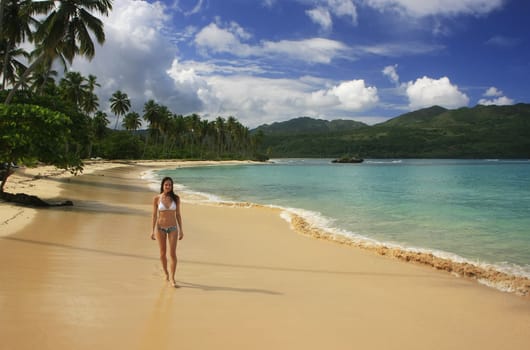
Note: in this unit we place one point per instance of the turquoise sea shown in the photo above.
(475, 211)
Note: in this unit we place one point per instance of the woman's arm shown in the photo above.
(179, 220)
(155, 216)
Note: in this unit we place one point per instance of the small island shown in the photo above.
(350, 160)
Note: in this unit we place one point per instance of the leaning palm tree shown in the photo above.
(43, 77)
(119, 105)
(16, 22)
(10, 63)
(66, 31)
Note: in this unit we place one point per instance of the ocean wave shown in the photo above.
(397, 161)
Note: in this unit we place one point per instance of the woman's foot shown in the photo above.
(174, 284)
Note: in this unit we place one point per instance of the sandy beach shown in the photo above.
(88, 276)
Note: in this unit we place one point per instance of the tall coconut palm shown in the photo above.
(90, 103)
(119, 105)
(92, 82)
(100, 123)
(132, 121)
(66, 31)
(73, 88)
(220, 129)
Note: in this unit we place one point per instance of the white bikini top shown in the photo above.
(162, 207)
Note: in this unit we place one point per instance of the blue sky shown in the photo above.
(263, 61)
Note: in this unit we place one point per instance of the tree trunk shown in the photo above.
(4, 174)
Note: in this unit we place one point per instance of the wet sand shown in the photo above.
(88, 276)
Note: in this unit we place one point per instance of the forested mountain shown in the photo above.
(306, 125)
(435, 132)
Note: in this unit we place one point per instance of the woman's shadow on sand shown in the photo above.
(210, 288)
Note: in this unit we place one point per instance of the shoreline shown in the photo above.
(489, 275)
(46, 181)
(89, 276)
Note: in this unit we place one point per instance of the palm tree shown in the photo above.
(132, 121)
(100, 123)
(73, 88)
(15, 28)
(119, 105)
(220, 129)
(10, 64)
(89, 103)
(92, 83)
(66, 31)
(42, 77)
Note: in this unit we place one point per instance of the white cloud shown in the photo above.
(314, 50)
(398, 49)
(493, 91)
(496, 97)
(352, 95)
(343, 8)
(422, 8)
(499, 101)
(214, 39)
(391, 73)
(321, 14)
(503, 41)
(196, 9)
(322, 17)
(427, 92)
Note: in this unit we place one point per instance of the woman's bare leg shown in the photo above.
(173, 237)
(161, 238)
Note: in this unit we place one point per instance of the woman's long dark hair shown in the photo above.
(171, 193)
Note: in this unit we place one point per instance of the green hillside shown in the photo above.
(306, 125)
(435, 132)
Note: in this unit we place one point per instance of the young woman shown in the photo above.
(167, 225)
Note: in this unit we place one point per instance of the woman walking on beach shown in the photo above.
(167, 225)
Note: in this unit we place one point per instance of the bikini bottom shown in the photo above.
(168, 230)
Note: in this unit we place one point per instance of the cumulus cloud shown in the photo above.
(351, 95)
(425, 8)
(426, 92)
(495, 97)
(213, 38)
(391, 73)
(256, 100)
